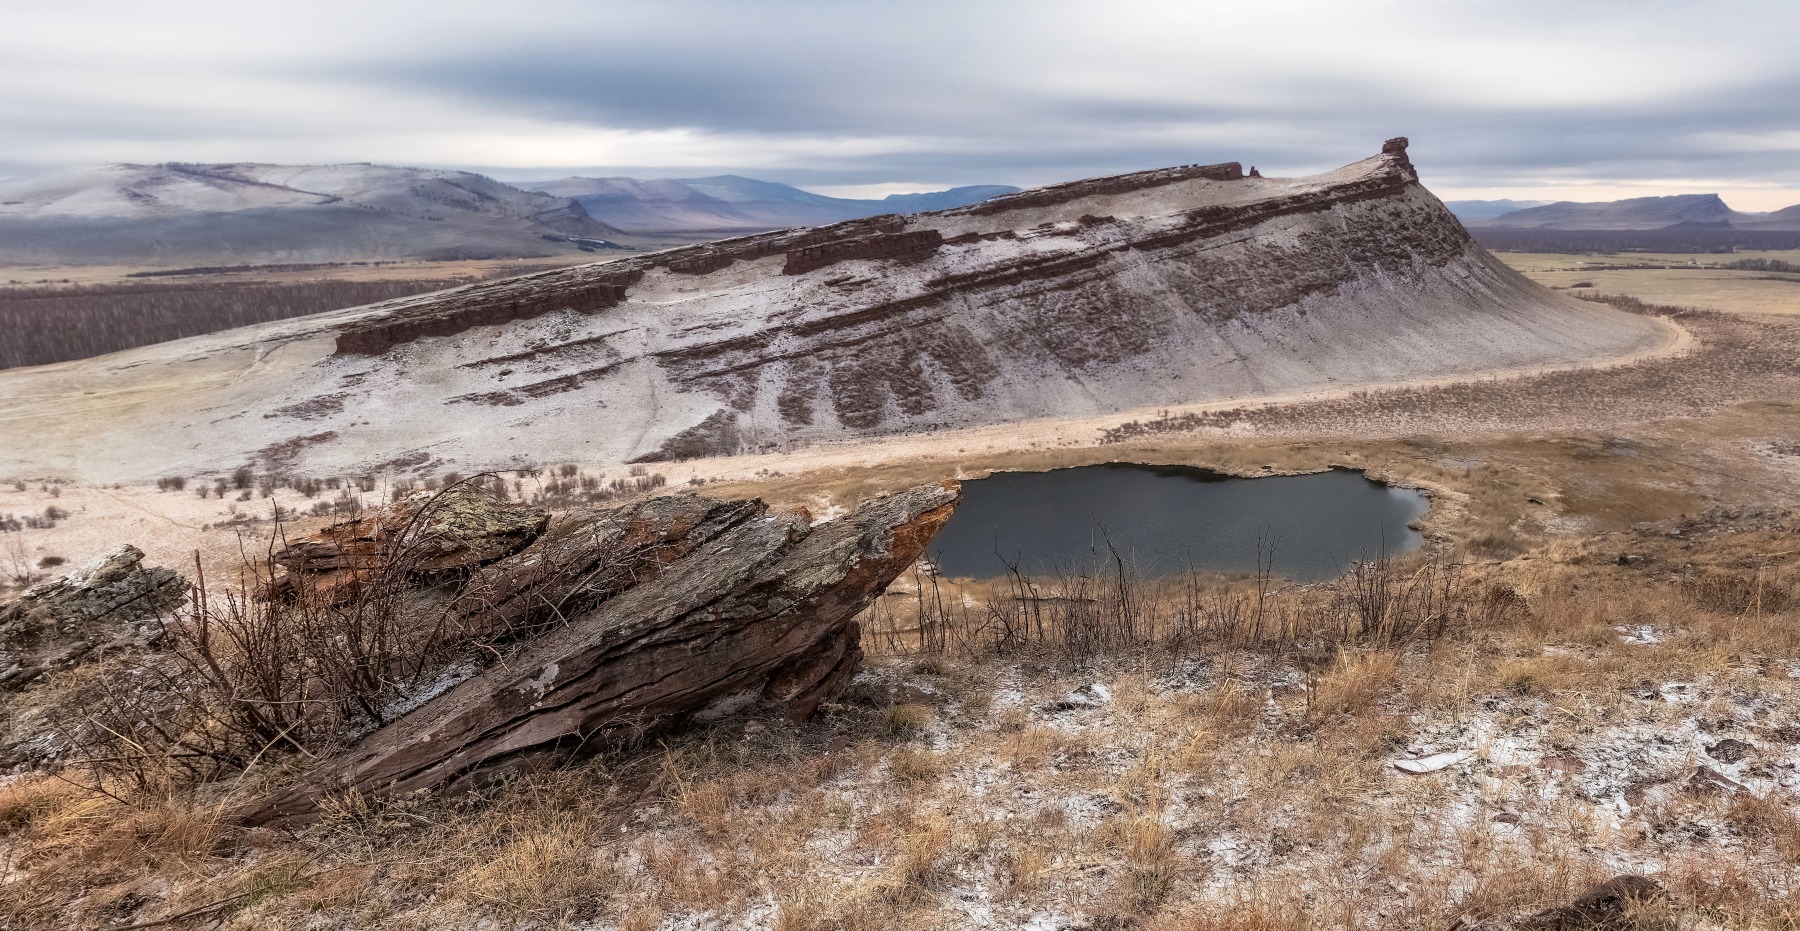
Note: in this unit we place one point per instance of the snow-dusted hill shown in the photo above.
(728, 202)
(1640, 213)
(254, 213)
(1160, 288)
(1470, 210)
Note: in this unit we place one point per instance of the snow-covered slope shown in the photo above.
(250, 213)
(1159, 288)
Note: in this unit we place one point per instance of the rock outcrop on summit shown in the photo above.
(1179, 285)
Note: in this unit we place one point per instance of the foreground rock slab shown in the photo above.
(447, 534)
(587, 557)
(755, 611)
(113, 602)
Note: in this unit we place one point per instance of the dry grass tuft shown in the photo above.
(26, 801)
(907, 720)
(1770, 821)
(910, 766)
(1356, 680)
(922, 860)
(531, 856)
(546, 873)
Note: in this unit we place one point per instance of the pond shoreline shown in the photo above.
(1166, 519)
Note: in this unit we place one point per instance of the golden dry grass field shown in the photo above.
(1681, 280)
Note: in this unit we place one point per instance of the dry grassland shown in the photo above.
(1596, 666)
(1682, 280)
(1578, 718)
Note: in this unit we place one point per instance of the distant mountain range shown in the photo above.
(1466, 210)
(728, 203)
(1681, 211)
(255, 213)
(248, 213)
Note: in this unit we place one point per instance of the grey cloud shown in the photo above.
(1015, 92)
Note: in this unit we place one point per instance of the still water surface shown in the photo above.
(1165, 519)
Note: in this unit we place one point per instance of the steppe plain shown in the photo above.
(1625, 541)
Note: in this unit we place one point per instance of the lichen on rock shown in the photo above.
(112, 602)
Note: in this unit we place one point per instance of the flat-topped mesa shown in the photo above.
(1159, 288)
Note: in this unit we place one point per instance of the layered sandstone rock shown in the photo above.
(115, 602)
(677, 607)
(429, 537)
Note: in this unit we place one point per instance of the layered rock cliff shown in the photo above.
(1162, 287)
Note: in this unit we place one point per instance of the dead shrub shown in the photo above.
(265, 669)
(1737, 593)
(1384, 603)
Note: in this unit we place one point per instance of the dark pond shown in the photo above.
(1165, 519)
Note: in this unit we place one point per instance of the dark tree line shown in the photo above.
(1764, 265)
(39, 325)
(1672, 239)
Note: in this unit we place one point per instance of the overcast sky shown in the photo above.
(1572, 99)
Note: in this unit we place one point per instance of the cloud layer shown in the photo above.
(1594, 98)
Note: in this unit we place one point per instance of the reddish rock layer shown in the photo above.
(880, 237)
